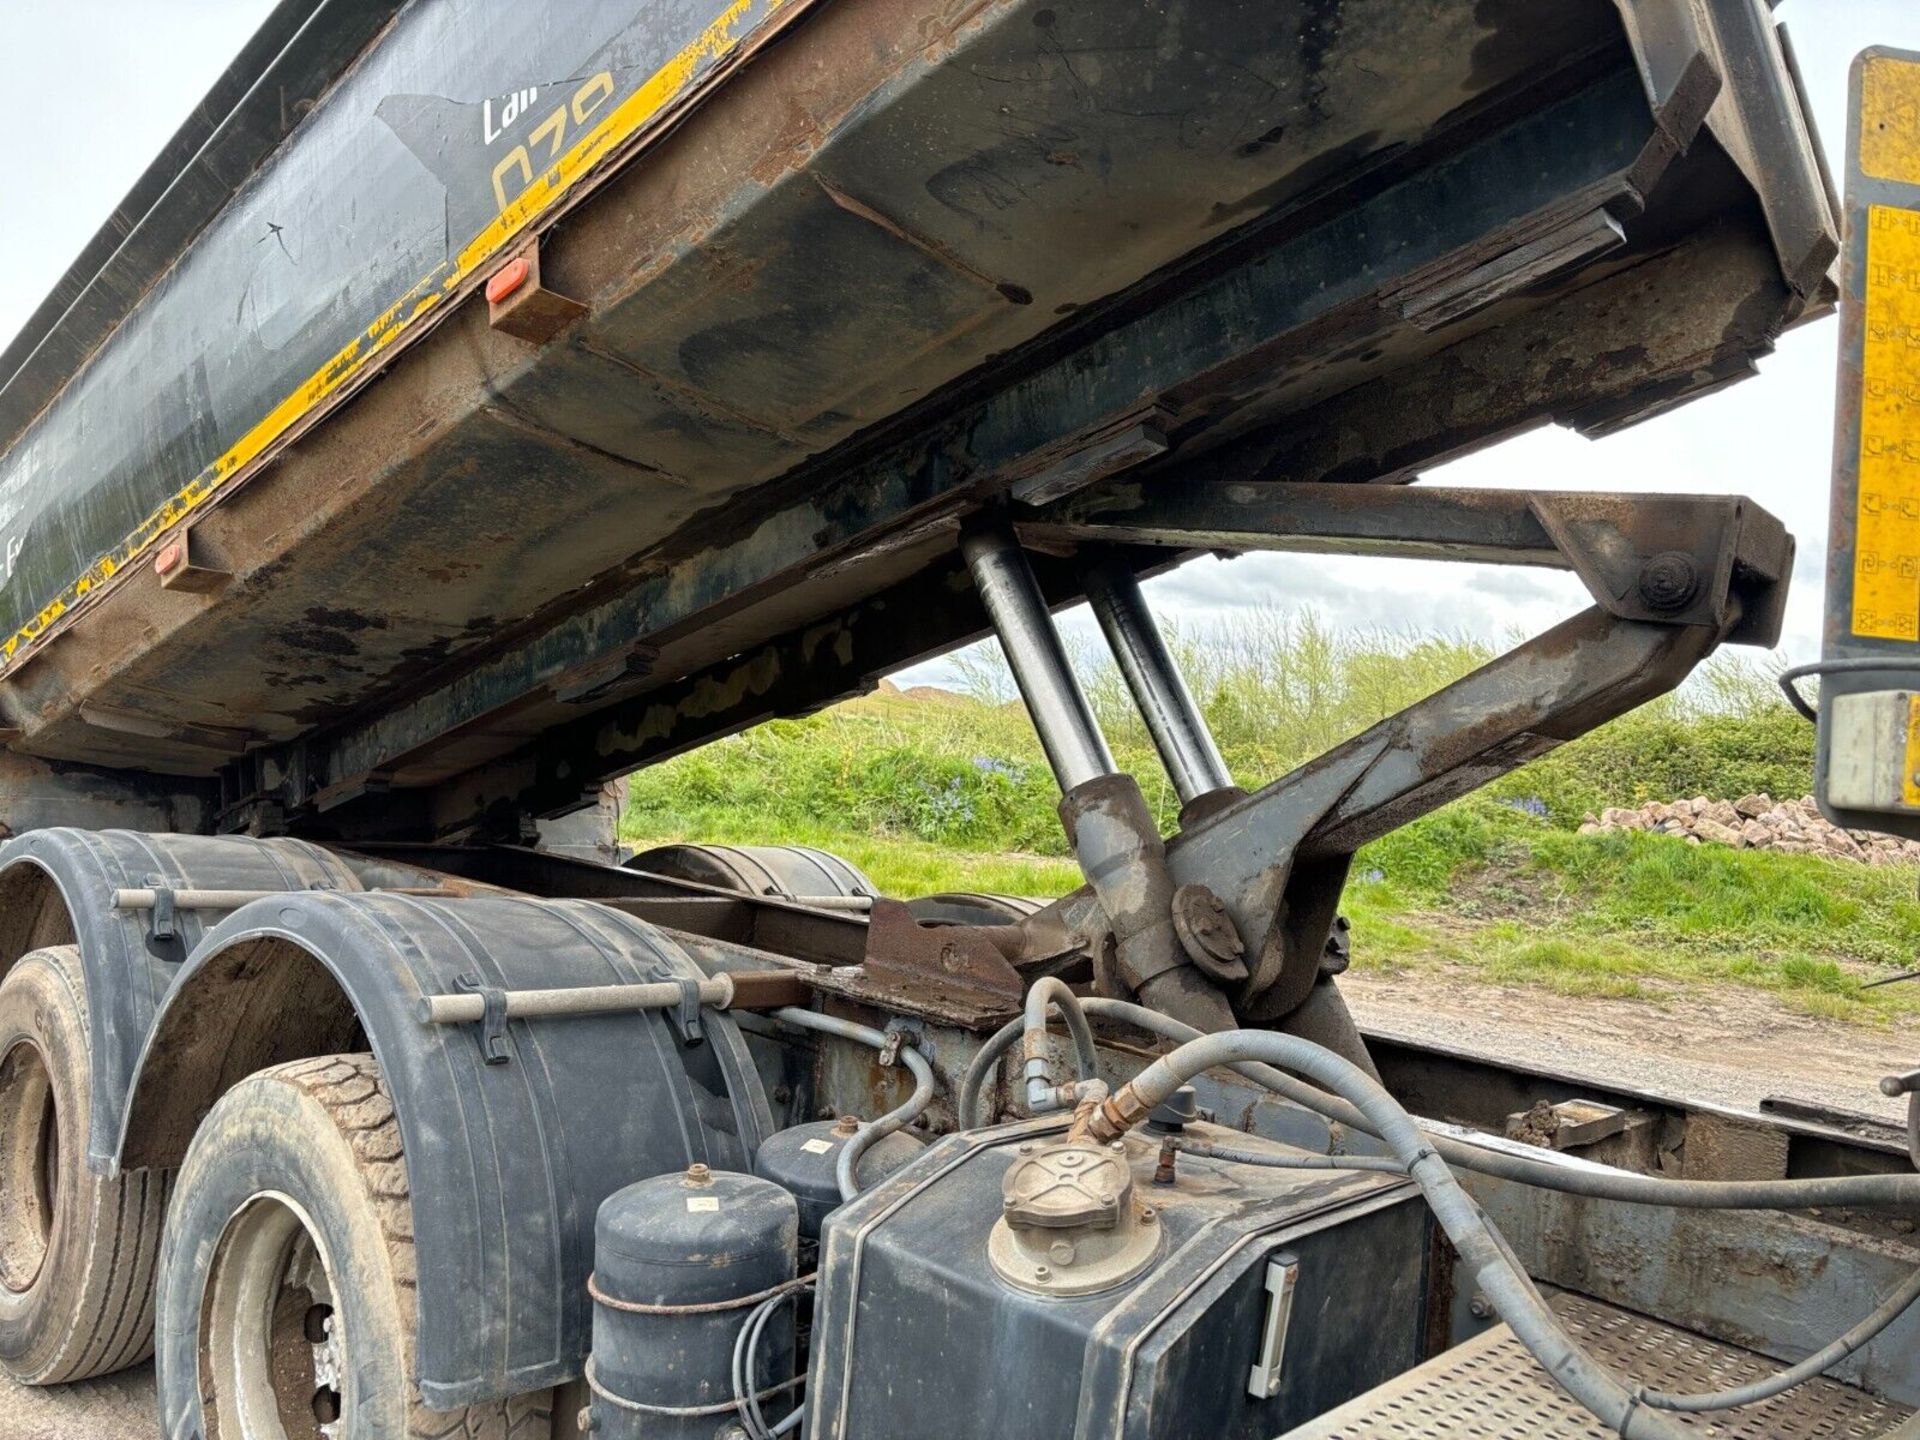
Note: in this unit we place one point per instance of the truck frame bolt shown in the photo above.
(1669, 581)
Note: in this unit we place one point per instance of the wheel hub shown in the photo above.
(29, 1166)
(271, 1343)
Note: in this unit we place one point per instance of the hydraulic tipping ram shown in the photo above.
(1672, 578)
(1111, 829)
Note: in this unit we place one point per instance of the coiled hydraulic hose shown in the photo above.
(1159, 1080)
(746, 1365)
(1897, 1191)
(1507, 1287)
(872, 1132)
(974, 1082)
(1041, 995)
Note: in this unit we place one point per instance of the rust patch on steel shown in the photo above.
(937, 960)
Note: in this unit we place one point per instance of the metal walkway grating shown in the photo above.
(1491, 1389)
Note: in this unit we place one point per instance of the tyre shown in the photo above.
(286, 1298)
(782, 872)
(77, 1253)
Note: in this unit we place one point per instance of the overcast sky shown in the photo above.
(149, 61)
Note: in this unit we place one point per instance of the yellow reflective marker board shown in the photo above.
(1890, 120)
(1886, 573)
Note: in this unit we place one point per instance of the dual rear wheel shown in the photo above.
(281, 1277)
(287, 1279)
(77, 1252)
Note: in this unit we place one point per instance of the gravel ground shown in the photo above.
(1732, 1047)
(120, 1407)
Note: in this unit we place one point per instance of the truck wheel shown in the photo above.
(287, 1283)
(77, 1253)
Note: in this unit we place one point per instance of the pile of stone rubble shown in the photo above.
(1758, 822)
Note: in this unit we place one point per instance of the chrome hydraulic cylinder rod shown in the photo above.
(1071, 737)
(1109, 823)
(1172, 716)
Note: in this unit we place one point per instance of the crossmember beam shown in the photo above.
(1666, 559)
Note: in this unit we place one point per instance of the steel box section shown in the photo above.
(507, 1162)
(1168, 1355)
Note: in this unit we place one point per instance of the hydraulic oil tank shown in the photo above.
(1020, 1285)
(803, 1159)
(681, 1262)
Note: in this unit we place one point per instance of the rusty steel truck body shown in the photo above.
(477, 402)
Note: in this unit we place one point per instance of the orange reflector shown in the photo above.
(171, 558)
(509, 278)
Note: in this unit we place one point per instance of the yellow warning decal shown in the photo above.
(1886, 566)
(1890, 119)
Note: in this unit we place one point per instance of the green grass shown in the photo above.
(1488, 888)
(950, 792)
(898, 866)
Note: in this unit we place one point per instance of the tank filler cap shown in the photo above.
(1068, 1224)
(1077, 1185)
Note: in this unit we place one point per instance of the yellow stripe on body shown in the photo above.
(628, 118)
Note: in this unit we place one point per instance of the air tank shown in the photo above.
(803, 1160)
(682, 1264)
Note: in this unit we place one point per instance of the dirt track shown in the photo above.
(1734, 1047)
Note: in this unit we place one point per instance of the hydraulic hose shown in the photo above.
(1816, 1364)
(1043, 993)
(984, 1060)
(974, 1082)
(746, 1365)
(1508, 1288)
(1896, 1191)
(871, 1133)
(1384, 1164)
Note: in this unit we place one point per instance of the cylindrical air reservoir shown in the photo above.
(803, 1158)
(680, 1262)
